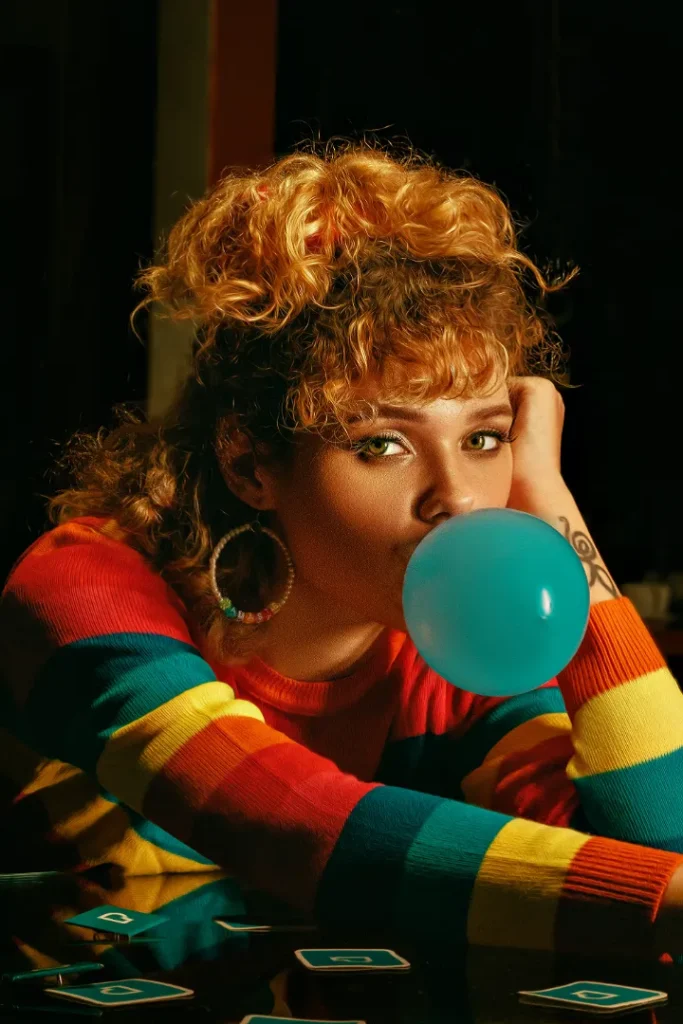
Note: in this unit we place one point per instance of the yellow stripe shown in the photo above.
(150, 893)
(479, 784)
(104, 834)
(136, 753)
(98, 828)
(636, 722)
(519, 883)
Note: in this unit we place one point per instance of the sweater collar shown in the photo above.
(317, 697)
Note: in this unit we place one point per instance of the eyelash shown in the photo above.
(504, 437)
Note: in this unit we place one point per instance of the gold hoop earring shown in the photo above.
(225, 603)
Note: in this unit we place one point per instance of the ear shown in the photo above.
(247, 475)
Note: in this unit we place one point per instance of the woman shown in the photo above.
(366, 366)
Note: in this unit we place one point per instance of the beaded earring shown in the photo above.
(224, 602)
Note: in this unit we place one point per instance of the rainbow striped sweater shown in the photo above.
(551, 820)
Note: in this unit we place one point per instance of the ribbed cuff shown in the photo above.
(617, 648)
(611, 896)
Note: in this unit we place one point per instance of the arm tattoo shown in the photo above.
(588, 554)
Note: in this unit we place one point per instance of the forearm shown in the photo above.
(626, 711)
(426, 865)
(559, 509)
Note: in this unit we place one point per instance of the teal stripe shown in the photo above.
(146, 829)
(409, 860)
(641, 804)
(364, 871)
(190, 933)
(152, 833)
(442, 864)
(472, 748)
(89, 689)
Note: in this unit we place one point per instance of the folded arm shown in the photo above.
(121, 692)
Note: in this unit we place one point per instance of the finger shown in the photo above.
(518, 388)
(533, 389)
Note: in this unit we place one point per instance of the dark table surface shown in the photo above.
(234, 975)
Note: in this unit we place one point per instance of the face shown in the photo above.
(353, 515)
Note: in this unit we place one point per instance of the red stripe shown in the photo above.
(429, 704)
(273, 820)
(533, 783)
(75, 583)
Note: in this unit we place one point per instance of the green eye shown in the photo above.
(478, 440)
(366, 452)
(381, 441)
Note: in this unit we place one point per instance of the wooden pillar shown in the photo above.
(216, 110)
(242, 92)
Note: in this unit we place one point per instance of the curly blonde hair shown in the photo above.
(302, 280)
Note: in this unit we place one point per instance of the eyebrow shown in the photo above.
(402, 412)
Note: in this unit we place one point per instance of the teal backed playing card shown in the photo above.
(242, 926)
(595, 996)
(40, 973)
(257, 1019)
(351, 959)
(113, 919)
(122, 993)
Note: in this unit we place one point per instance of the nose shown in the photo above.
(439, 507)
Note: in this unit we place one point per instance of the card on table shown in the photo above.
(122, 993)
(351, 960)
(40, 973)
(594, 996)
(253, 926)
(117, 921)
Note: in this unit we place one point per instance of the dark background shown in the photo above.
(569, 107)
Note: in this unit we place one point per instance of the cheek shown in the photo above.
(500, 481)
(346, 507)
(340, 523)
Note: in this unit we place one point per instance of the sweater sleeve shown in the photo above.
(602, 751)
(101, 673)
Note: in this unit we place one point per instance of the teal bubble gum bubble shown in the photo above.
(496, 601)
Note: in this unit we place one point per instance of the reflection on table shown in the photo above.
(235, 974)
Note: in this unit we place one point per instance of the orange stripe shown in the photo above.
(272, 819)
(152, 740)
(610, 896)
(204, 764)
(617, 648)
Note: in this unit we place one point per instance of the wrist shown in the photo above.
(547, 499)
